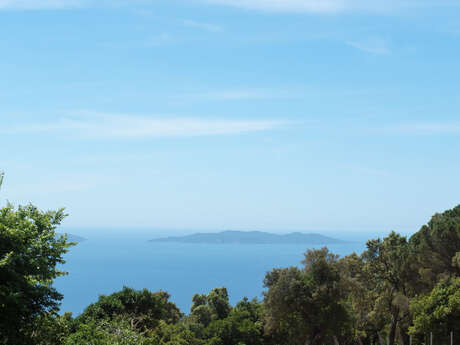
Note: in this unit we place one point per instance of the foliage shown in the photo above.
(439, 311)
(387, 262)
(178, 334)
(394, 288)
(360, 299)
(437, 249)
(216, 322)
(243, 325)
(53, 329)
(305, 305)
(142, 309)
(214, 306)
(105, 332)
(30, 251)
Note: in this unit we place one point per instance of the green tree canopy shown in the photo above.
(387, 263)
(30, 251)
(211, 307)
(305, 305)
(437, 248)
(360, 299)
(142, 309)
(439, 311)
(105, 332)
(241, 326)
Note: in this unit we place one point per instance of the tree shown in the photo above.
(105, 332)
(387, 262)
(305, 305)
(242, 326)
(360, 299)
(216, 322)
(214, 306)
(30, 251)
(439, 311)
(53, 329)
(178, 334)
(437, 249)
(142, 309)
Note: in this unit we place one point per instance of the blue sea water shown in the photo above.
(104, 265)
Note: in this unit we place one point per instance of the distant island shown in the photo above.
(252, 237)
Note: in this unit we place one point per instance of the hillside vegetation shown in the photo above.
(397, 288)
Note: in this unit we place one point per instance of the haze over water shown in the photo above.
(104, 264)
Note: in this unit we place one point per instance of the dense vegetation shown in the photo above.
(398, 287)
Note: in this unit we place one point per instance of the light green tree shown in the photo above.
(360, 299)
(105, 332)
(438, 311)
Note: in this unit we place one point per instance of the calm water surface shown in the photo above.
(102, 266)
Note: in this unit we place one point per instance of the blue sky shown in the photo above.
(270, 115)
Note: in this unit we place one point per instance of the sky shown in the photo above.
(275, 115)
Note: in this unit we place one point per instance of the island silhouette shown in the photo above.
(252, 237)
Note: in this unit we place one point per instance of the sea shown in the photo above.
(101, 265)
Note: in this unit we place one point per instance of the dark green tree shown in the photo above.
(211, 307)
(387, 263)
(437, 249)
(143, 309)
(305, 305)
(243, 325)
(30, 251)
(53, 329)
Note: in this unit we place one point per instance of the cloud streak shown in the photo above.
(127, 126)
(202, 26)
(285, 5)
(241, 95)
(39, 4)
(292, 6)
(428, 128)
(331, 6)
(374, 46)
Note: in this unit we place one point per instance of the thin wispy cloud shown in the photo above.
(331, 6)
(241, 95)
(158, 40)
(376, 46)
(306, 6)
(40, 4)
(69, 182)
(285, 5)
(202, 26)
(127, 126)
(428, 128)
